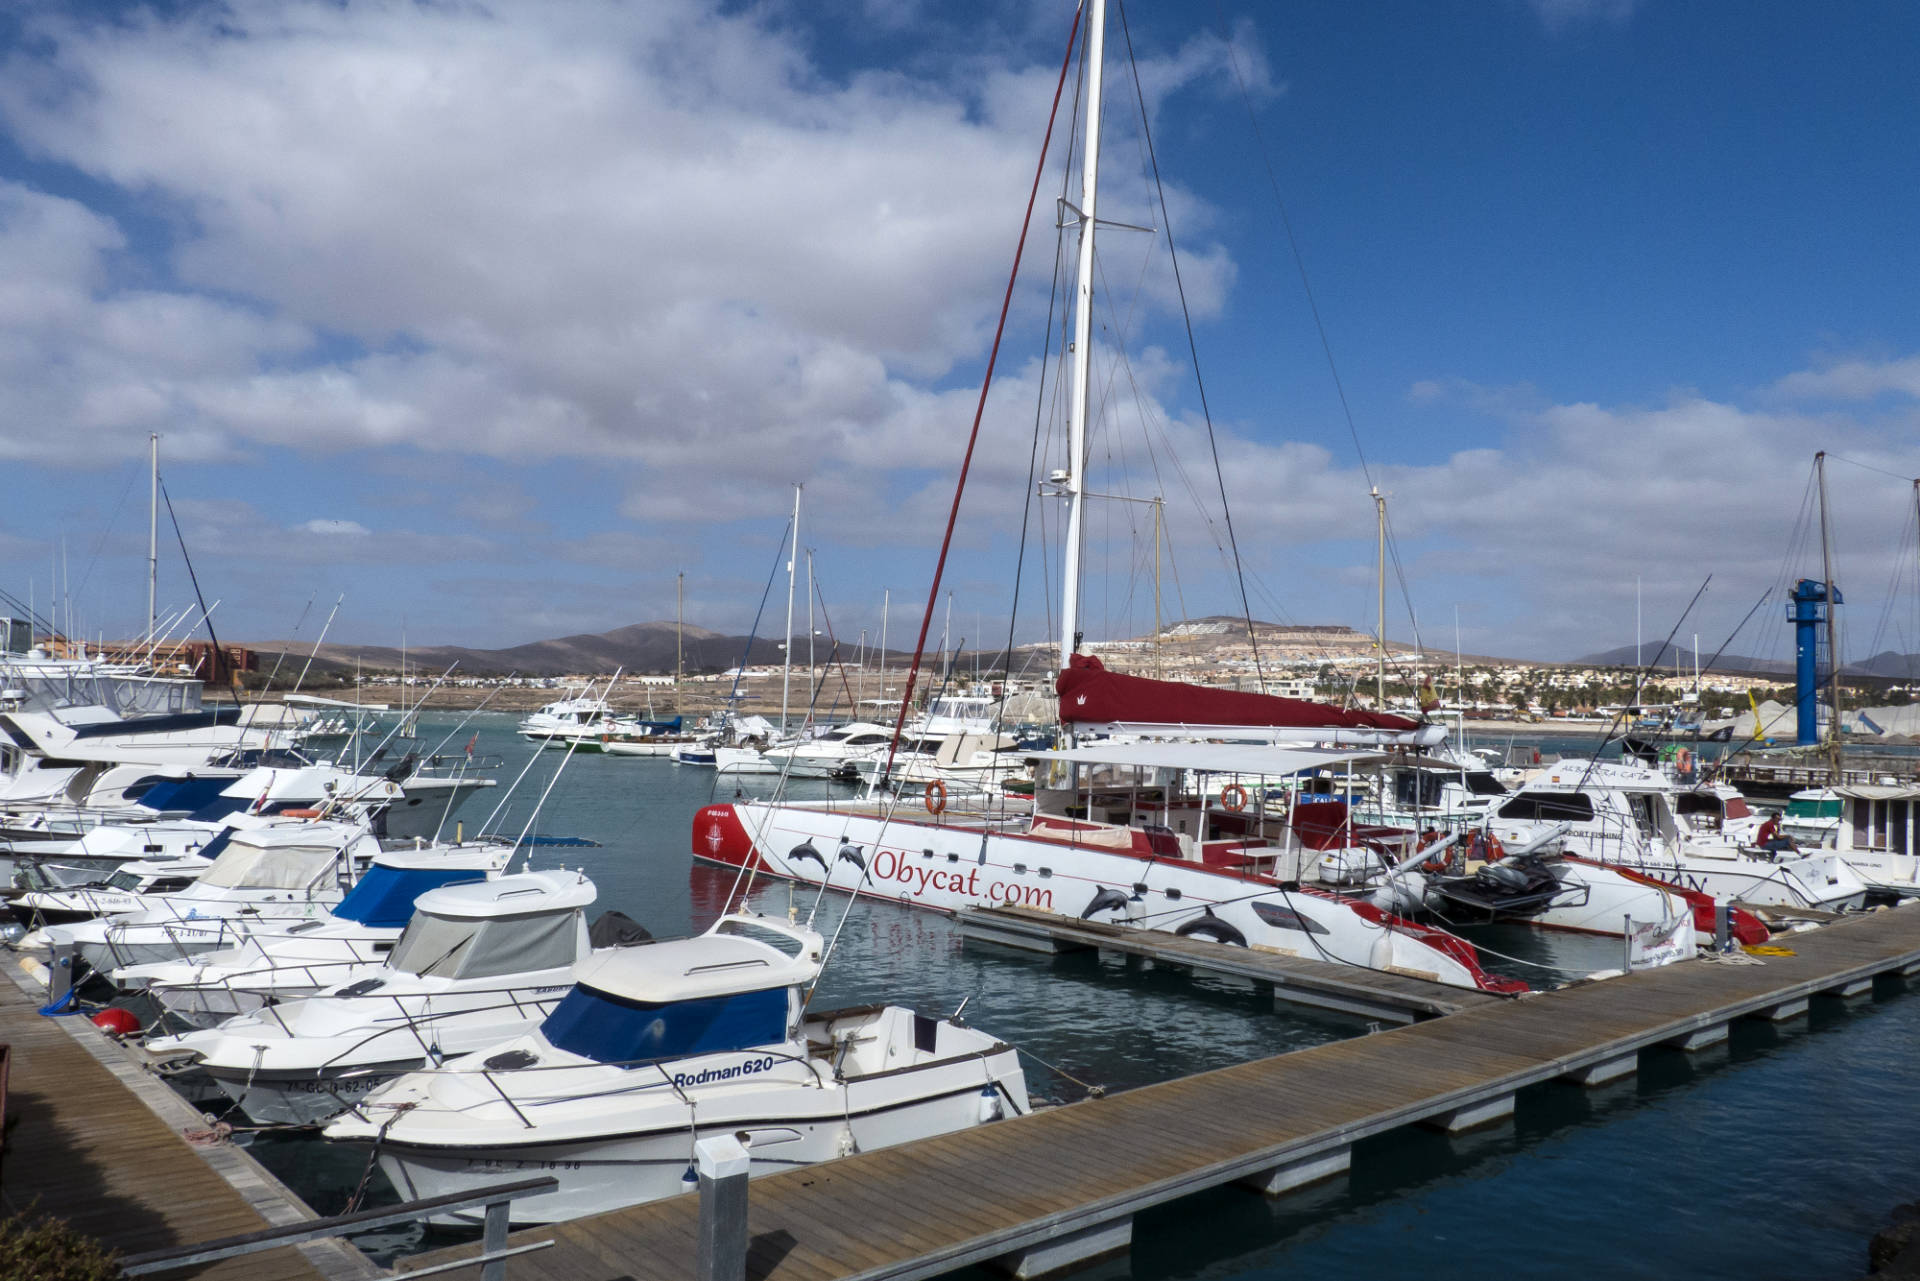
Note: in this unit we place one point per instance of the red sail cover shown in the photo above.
(1090, 694)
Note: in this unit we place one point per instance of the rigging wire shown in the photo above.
(1193, 347)
(980, 408)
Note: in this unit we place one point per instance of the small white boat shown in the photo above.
(354, 937)
(659, 1046)
(127, 890)
(267, 875)
(478, 963)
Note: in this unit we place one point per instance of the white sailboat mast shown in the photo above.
(153, 526)
(1075, 483)
(793, 557)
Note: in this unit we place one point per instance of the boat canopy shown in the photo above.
(514, 895)
(384, 897)
(280, 867)
(466, 948)
(1212, 758)
(1878, 791)
(1090, 695)
(739, 954)
(612, 1029)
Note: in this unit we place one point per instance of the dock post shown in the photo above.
(1722, 926)
(60, 962)
(493, 1239)
(722, 1164)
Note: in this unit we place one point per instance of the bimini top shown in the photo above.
(514, 895)
(739, 954)
(1218, 758)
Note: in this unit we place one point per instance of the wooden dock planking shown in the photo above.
(88, 1150)
(925, 1208)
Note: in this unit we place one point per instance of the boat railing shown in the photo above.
(521, 999)
(494, 1250)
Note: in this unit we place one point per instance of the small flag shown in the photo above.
(471, 742)
(1428, 699)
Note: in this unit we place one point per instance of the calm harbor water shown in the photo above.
(1775, 1158)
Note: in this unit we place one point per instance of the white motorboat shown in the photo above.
(832, 754)
(356, 935)
(659, 1046)
(1872, 826)
(131, 887)
(477, 964)
(1632, 815)
(267, 875)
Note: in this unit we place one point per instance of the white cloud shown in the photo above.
(1857, 379)
(334, 528)
(657, 233)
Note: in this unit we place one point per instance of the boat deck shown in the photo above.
(84, 1142)
(1061, 1185)
(1398, 998)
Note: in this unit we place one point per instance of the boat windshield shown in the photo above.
(124, 880)
(612, 1029)
(1548, 807)
(1814, 808)
(257, 868)
(461, 947)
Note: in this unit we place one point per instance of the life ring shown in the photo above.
(1683, 761)
(936, 796)
(1233, 797)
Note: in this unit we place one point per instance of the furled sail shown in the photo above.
(1091, 697)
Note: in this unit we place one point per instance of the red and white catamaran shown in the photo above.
(1122, 831)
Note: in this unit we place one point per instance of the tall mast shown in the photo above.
(1158, 505)
(1833, 646)
(886, 601)
(810, 624)
(153, 525)
(679, 636)
(793, 558)
(1380, 679)
(1075, 481)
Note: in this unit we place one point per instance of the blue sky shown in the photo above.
(491, 319)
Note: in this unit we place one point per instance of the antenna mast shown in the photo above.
(1075, 481)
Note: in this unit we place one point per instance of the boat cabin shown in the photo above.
(384, 896)
(736, 987)
(489, 929)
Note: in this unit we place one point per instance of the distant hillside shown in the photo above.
(638, 648)
(1886, 665)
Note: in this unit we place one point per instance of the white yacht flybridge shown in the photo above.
(661, 1045)
(477, 964)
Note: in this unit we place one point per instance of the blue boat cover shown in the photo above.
(384, 897)
(611, 1029)
(187, 795)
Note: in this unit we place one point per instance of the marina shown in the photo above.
(1064, 1183)
(1093, 863)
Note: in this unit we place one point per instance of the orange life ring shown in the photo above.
(936, 796)
(1233, 797)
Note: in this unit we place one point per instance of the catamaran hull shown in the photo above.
(601, 1174)
(1824, 882)
(922, 864)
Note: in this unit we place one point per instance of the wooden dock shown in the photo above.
(1046, 1191)
(93, 1139)
(1297, 980)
